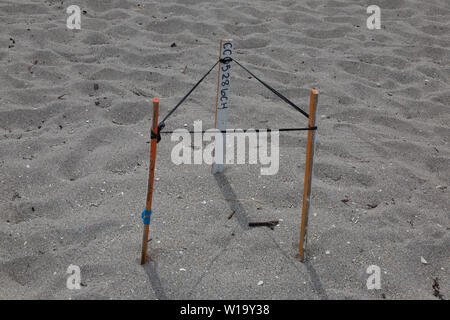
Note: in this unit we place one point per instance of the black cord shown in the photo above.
(187, 95)
(282, 97)
(255, 130)
(162, 124)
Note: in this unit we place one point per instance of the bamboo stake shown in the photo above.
(313, 99)
(151, 176)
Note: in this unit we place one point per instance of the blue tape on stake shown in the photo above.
(146, 216)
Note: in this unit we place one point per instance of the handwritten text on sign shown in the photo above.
(223, 102)
(224, 77)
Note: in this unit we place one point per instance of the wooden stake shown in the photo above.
(151, 176)
(222, 103)
(313, 99)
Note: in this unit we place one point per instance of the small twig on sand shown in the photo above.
(269, 224)
(231, 214)
(436, 289)
(116, 122)
(140, 92)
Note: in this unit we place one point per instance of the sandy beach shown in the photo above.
(75, 113)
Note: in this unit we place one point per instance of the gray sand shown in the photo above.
(74, 160)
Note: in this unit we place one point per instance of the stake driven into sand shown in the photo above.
(222, 103)
(151, 175)
(313, 99)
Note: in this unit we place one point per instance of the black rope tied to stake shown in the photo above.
(278, 94)
(254, 130)
(161, 125)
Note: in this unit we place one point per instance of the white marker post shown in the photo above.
(222, 103)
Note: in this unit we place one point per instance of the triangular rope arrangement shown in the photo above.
(278, 94)
(220, 125)
(162, 124)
